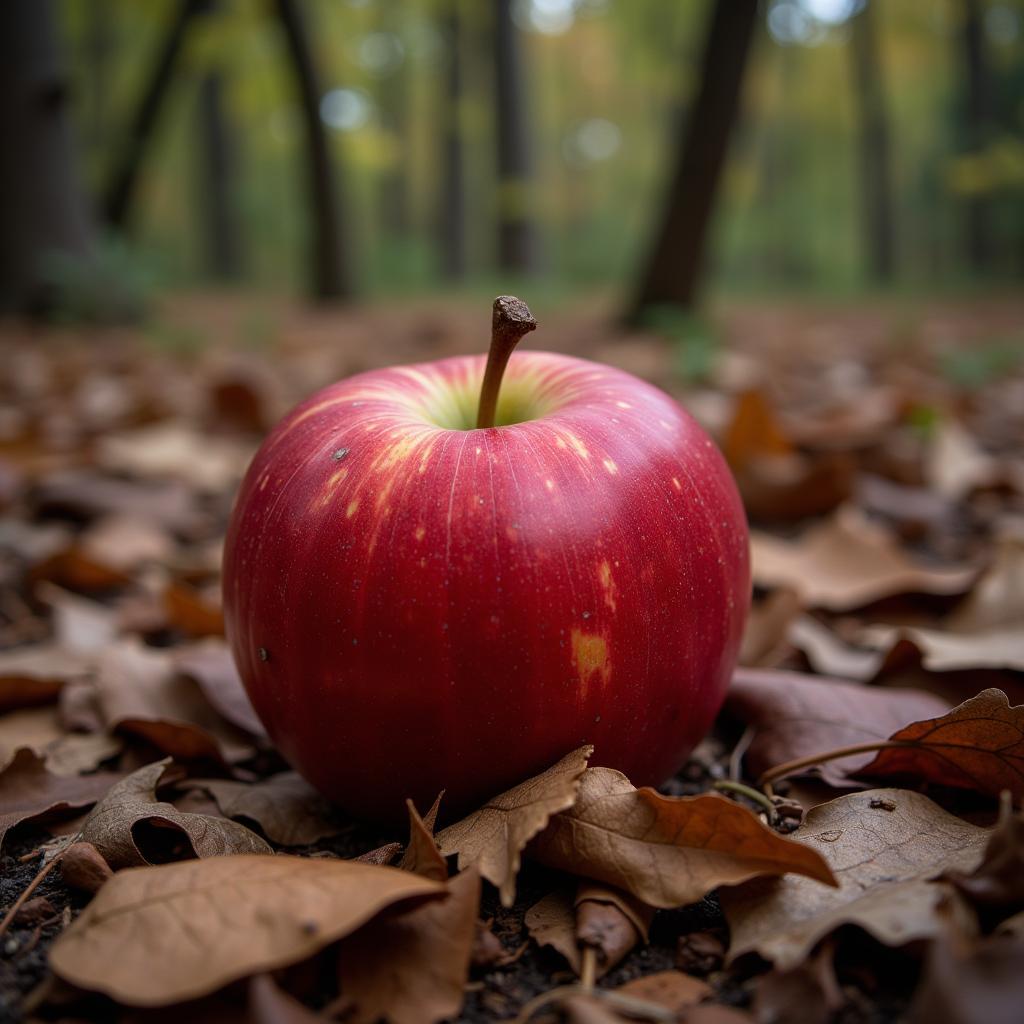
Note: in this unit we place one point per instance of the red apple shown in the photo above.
(416, 605)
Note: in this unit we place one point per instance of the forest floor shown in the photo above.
(880, 455)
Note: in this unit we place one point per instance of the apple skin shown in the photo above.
(414, 608)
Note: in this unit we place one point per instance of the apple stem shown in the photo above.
(511, 320)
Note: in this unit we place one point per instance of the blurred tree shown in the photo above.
(875, 171)
(672, 272)
(976, 129)
(43, 208)
(120, 193)
(331, 272)
(218, 155)
(452, 219)
(517, 231)
(391, 67)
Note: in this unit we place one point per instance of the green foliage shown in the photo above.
(694, 340)
(976, 367)
(115, 284)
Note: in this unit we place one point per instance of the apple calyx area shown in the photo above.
(511, 320)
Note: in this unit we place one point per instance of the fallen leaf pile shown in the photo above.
(847, 844)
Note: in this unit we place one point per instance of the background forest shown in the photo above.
(874, 145)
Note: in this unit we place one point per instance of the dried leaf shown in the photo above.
(978, 745)
(808, 993)
(942, 651)
(160, 935)
(754, 432)
(996, 886)
(82, 867)
(211, 665)
(422, 857)
(190, 612)
(979, 984)
(130, 826)
(955, 464)
(33, 676)
(797, 715)
(672, 989)
(288, 810)
(492, 839)
(666, 851)
(827, 654)
(846, 563)
(997, 599)
(141, 693)
(422, 976)
(884, 847)
(767, 625)
(29, 791)
(609, 920)
(551, 921)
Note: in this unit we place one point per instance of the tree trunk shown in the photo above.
(121, 192)
(977, 131)
(43, 207)
(673, 269)
(875, 171)
(517, 232)
(393, 103)
(331, 277)
(453, 182)
(219, 227)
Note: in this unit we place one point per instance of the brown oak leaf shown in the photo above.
(160, 935)
(797, 715)
(847, 562)
(666, 851)
(410, 966)
(130, 826)
(978, 745)
(287, 809)
(29, 791)
(884, 846)
(492, 839)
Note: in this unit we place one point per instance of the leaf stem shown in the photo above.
(731, 786)
(789, 767)
(588, 969)
(510, 320)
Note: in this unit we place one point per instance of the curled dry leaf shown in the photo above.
(666, 851)
(943, 651)
(287, 809)
(808, 993)
(31, 676)
(980, 983)
(29, 791)
(141, 693)
(978, 745)
(422, 857)
(82, 867)
(997, 599)
(764, 638)
(797, 715)
(130, 826)
(190, 612)
(996, 886)
(846, 563)
(884, 846)
(492, 839)
(160, 935)
(410, 966)
(211, 665)
(829, 655)
(610, 921)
